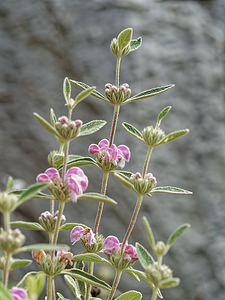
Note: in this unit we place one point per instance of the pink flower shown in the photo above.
(84, 234)
(130, 251)
(75, 179)
(65, 256)
(18, 293)
(111, 154)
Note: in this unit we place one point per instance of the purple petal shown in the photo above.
(53, 174)
(76, 234)
(90, 238)
(124, 151)
(73, 184)
(75, 171)
(19, 292)
(73, 196)
(114, 153)
(43, 178)
(103, 143)
(111, 245)
(93, 149)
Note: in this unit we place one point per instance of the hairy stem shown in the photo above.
(147, 160)
(90, 271)
(114, 124)
(118, 71)
(6, 269)
(56, 231)
(132, 221)
(154, 294)
(7, 221)
(49, 287)
(115, 284)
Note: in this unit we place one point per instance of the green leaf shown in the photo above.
(70, 226)
(143, 276)
(135, 44)
(46, 125)
(9, 184)
(132, 130)
(125, 181)
(53, 117)
(150, 93)
(46, 247)
(96, 197)
(169, 283)
(86, 277)
(132, 274)
(38, 195)
(84, 86)
(94, 298)
(20, 263)
(82, 95)
(21, 283)
(4, 293)
(61, 297)
(91, 127)
(144, 256)
(173, 136)
(170, 190)
(149, 233)
(163, 113)
(27, 225)
(73, 286)
(131, 295)
(124, 38)
(67, 90)
(30, 192)
(177, 233)
(90, 257)
(82, 285)
(83, 161)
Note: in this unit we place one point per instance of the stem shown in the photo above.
(147, 160)
(154, 294)
(114, 124)
(90, 271)
(66, 153)
(132, 221)
(118, 71)
(160, 260)
(56, 231)
(52, 206)
(101, 204)
(7, 221)
(115, 284)
(49, 287)
(6, 269)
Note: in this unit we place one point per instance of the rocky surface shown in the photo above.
(183, 43)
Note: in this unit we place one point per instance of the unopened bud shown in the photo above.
(68, 129)
(142, 185)
(114, 47)
(55, 159)
(152, 136)
(11, 240)
(117, 95)
(7, 201)
(48, 221)
(156, 273)
(160, 248)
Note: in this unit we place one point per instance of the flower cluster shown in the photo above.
(48, 220)
(152, 136)
(74, 183)
(117, 95)
(109, 157)
(143, 185)
(11, 240)
(18, 293)
(68, 129)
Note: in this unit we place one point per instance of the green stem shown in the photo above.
(154, 294)
(6, 269)
(49, 287)
(66, 153)
(56, 231)
(101, 204)
(114, 124)
(132, 221)
(115, 284)
(90, 271)
(118, 71)
(160, 260)
(7, 221)
(147, 160)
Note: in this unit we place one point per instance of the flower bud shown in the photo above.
(48, 221)
(114, 47)
(152, 136)
(55, 159)
(12, 240)
(160, 248)
(117, 95)
(7, 202)
(142, 185)
(52, 267)
(157, 273)
(96, 246)
(68, 129)
(126, 50)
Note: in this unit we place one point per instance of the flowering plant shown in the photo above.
(66, 181)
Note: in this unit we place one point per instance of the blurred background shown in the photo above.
(41, 42)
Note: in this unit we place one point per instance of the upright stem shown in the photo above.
(154, 294)
(118, 71)
(114, 124)
(147, 160)
(56, 232)
(49, 287)
(101, 204)
(90, 271)
(7, 221)
(115, 284)
(6, 269)
(132, 221)
(66, 153)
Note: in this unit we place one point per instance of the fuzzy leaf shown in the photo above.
(46, 247)
(70, 226)
(124, 38)
(82, 161)
(30, 192)
(20, 263)
(168, 283)
(82, 95)
(84, 86)
(91, 127)
(144, 256)
(131, 295)
(170, 190)
(82, 285)
(94, 298)
(46, 125)
(132, 274)
(149, 233)
(38, 195)
(86, 277)
(173, 136)
(143, 276)
(67, 90)
(4, 293)
(61, 297)
(9, 184)
(96, 197)
(149, 93)
(135, 44)
(53, 117)
(72, 284)
(21, 283)
(124, 180)
(132, 130)
(163, 113)
(177, 233)
(27, 225)
(90, 257)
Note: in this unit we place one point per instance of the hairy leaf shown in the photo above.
(124, 38)
(163, 113)
(144, 256)
(46, 125)
(61, 297)
(177, 233)
(27, 225)
(21, 283)
(67, 90)
(131, 295)
(149, 233)
(82, 95)
(70, 226)
(53, 117)
(73, 286)
(168, 283)
(132, 274)
(20, 263)
(96, 197)
(47, 247)
(173, 136)
(82, 161)
(91, 127)
(31, 192)
(135, 44)
(90, 257)
(38, 195)
(170, 190)
(124, 180)
(132, 130)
